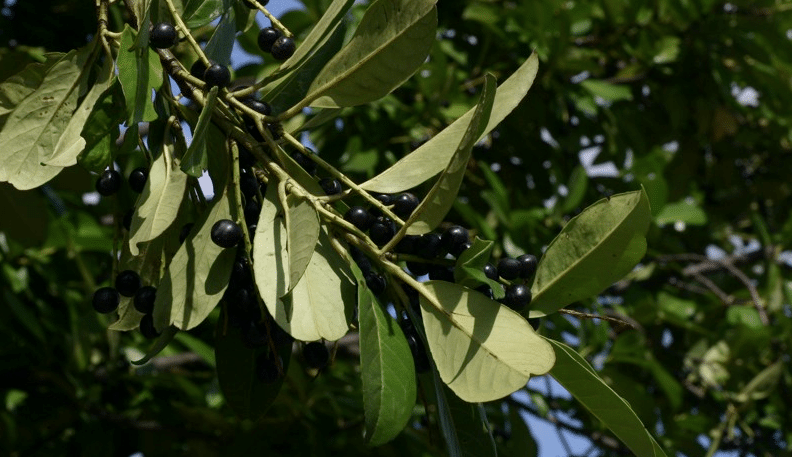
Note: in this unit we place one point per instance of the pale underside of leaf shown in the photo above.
(160, 201)
(596, 248)
(303, 230)
(197, 275)
(483, 350)
(392, 40)
(435, 205)
(316, 307)
(433, 156)
(36, 124)
(270, 258)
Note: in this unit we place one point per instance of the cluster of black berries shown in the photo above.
(273, 41)
(381, 229)
(109, 182)
(127, 283)
(331, 186)
(417, 348)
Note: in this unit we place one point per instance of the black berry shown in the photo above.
(127, 220)
(509, 268)
(147, 327)
(283, 48)
(331, 186)
(144, 299)
(458, 250)
(248, 184)
(267, 37)
(305, 162)
(137, 179)
(217, 75)
(441, 273)
(527, 265)
(419, 353)
(418, 268)
(162, 35)
(491, 272)
(410, 244)
(518, 296)
(381, 231)
(453, 238)
(108, 183)
(385, 199)
(360, 259)
(226, 233)
(316, 355)
(252, 211)
(359, 217)
(105, 300)
(246, 159)
(376, 282)
(255, 335)
(259, 106)
(198, 69)
(428, 245)
(404, 204)
(127, 283)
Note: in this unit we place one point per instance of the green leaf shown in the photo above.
(483, 351)
(101, 130)
(607, 91)
(474, 439)
(19, 86)
(469, 268)
(198, 13)
(386, 368)
(302, 227)
(198, 274)
(35, 126)
(595, 249)
(433, 156)
(196, 160)
(681, 211)
(236, 372)
(434, 207)
(522, 442)
(317, 306)
(763, 384)
(166, 336)
(270, 258)
(139, 71)
(160, 201)
(579, 378)
(220, 45)
(391, 42)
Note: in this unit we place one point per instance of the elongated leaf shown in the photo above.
(139, 71)
(198, 13)
(303, 230)
(596, 248)
(19, 86)
(579, 378)
(198, 274)
(160, 201)
(434, 207)
(317, 306)
(474, 440)
(270, 258)
(36, 124)
(433, 156)
(162, 341)
(101, 130)
(391, 42)
(236, 373)
(196, 160)
(220, 45)
(483, 350)
(71, 143)
(387, 370)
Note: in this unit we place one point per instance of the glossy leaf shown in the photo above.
(469, 268)
(391, 42)
(160, 201)
(198, 13)
(596, 248)
(302, 227)
(37, 122)
(579, 378)
(387, 370)
(317, 306)
(139, 71)
(236, 372)
(220, 45)
(483, 350)
(270, 257)
(196, 160)
(198, 274)
(433, 156)
(435, 205)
